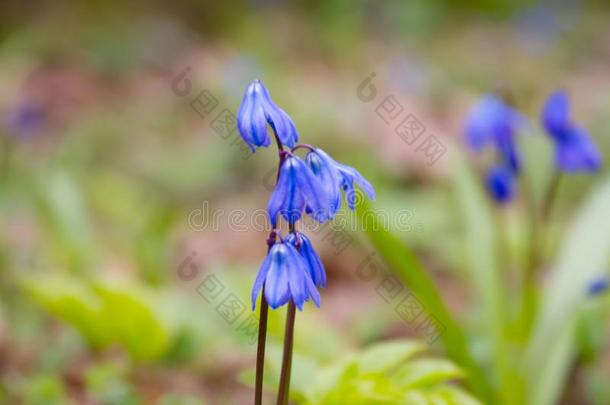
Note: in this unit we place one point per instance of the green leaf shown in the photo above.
(386, 355)
(104, 314)
(480, 248)
(74, 303)
(582, 257)
(427, 371)
(134, 322)
(452, 395)
(403, 262)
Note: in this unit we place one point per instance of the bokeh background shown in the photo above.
(111, 170)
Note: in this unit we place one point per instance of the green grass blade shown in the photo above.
(408, 268)
(583, 256)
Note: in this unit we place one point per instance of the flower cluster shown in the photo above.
(574, 149)
(492, 122)
(314, 186)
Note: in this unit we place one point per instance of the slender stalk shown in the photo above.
(283, 393)
(538, 235)
(284, 389)
(264, 311)
(260, 350)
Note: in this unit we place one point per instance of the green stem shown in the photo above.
(260, 350)
(283, 393)
(538, 233)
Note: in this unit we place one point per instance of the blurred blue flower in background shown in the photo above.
(493, 122)
(257, 109)
(574, 149)
(501, 183)
(286, 277)
(26, 118)
(598, 285)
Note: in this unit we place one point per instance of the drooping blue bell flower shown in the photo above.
(575, 151)
(297, 187)
(257, 109)
(286, 277)
(501, 184)
(314, 264)
(336, 177)
(493, 122)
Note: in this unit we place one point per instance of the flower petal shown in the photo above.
(251, 121)
(278, 119)
(500, 183)
(314, 194)
(277, 290)
(315, 267)
(323, 167)
(577, 152)
(556, 114)
(286, 199)
(260, 279)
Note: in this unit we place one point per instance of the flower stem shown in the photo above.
(260, 350)
(537, 245)
(283, 393)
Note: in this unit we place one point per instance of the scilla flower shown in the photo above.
(314, 264)
(256, 111)
(297, 187)
(286, 277)
(292, 270)
(574, 149)
(493, 122)
(336, 177)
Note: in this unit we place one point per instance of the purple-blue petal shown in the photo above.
(598, 286)
(324, 169)
(251, 120)
(260, 279)
(577, 153)
(481, 122)
(277, 291)
(491, 121)
(556, 114)
(314, 194)
(315, 267)
(280, 121)
(501, 184)
(344, 179)
(287, 199)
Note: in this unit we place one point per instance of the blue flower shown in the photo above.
(314, 264)
(256, 111)
(501, 184)
(598, 286)
(285, 276)
(336, 177)
(574, 149)
(25, 119)
(491, 121)
(297, 188)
